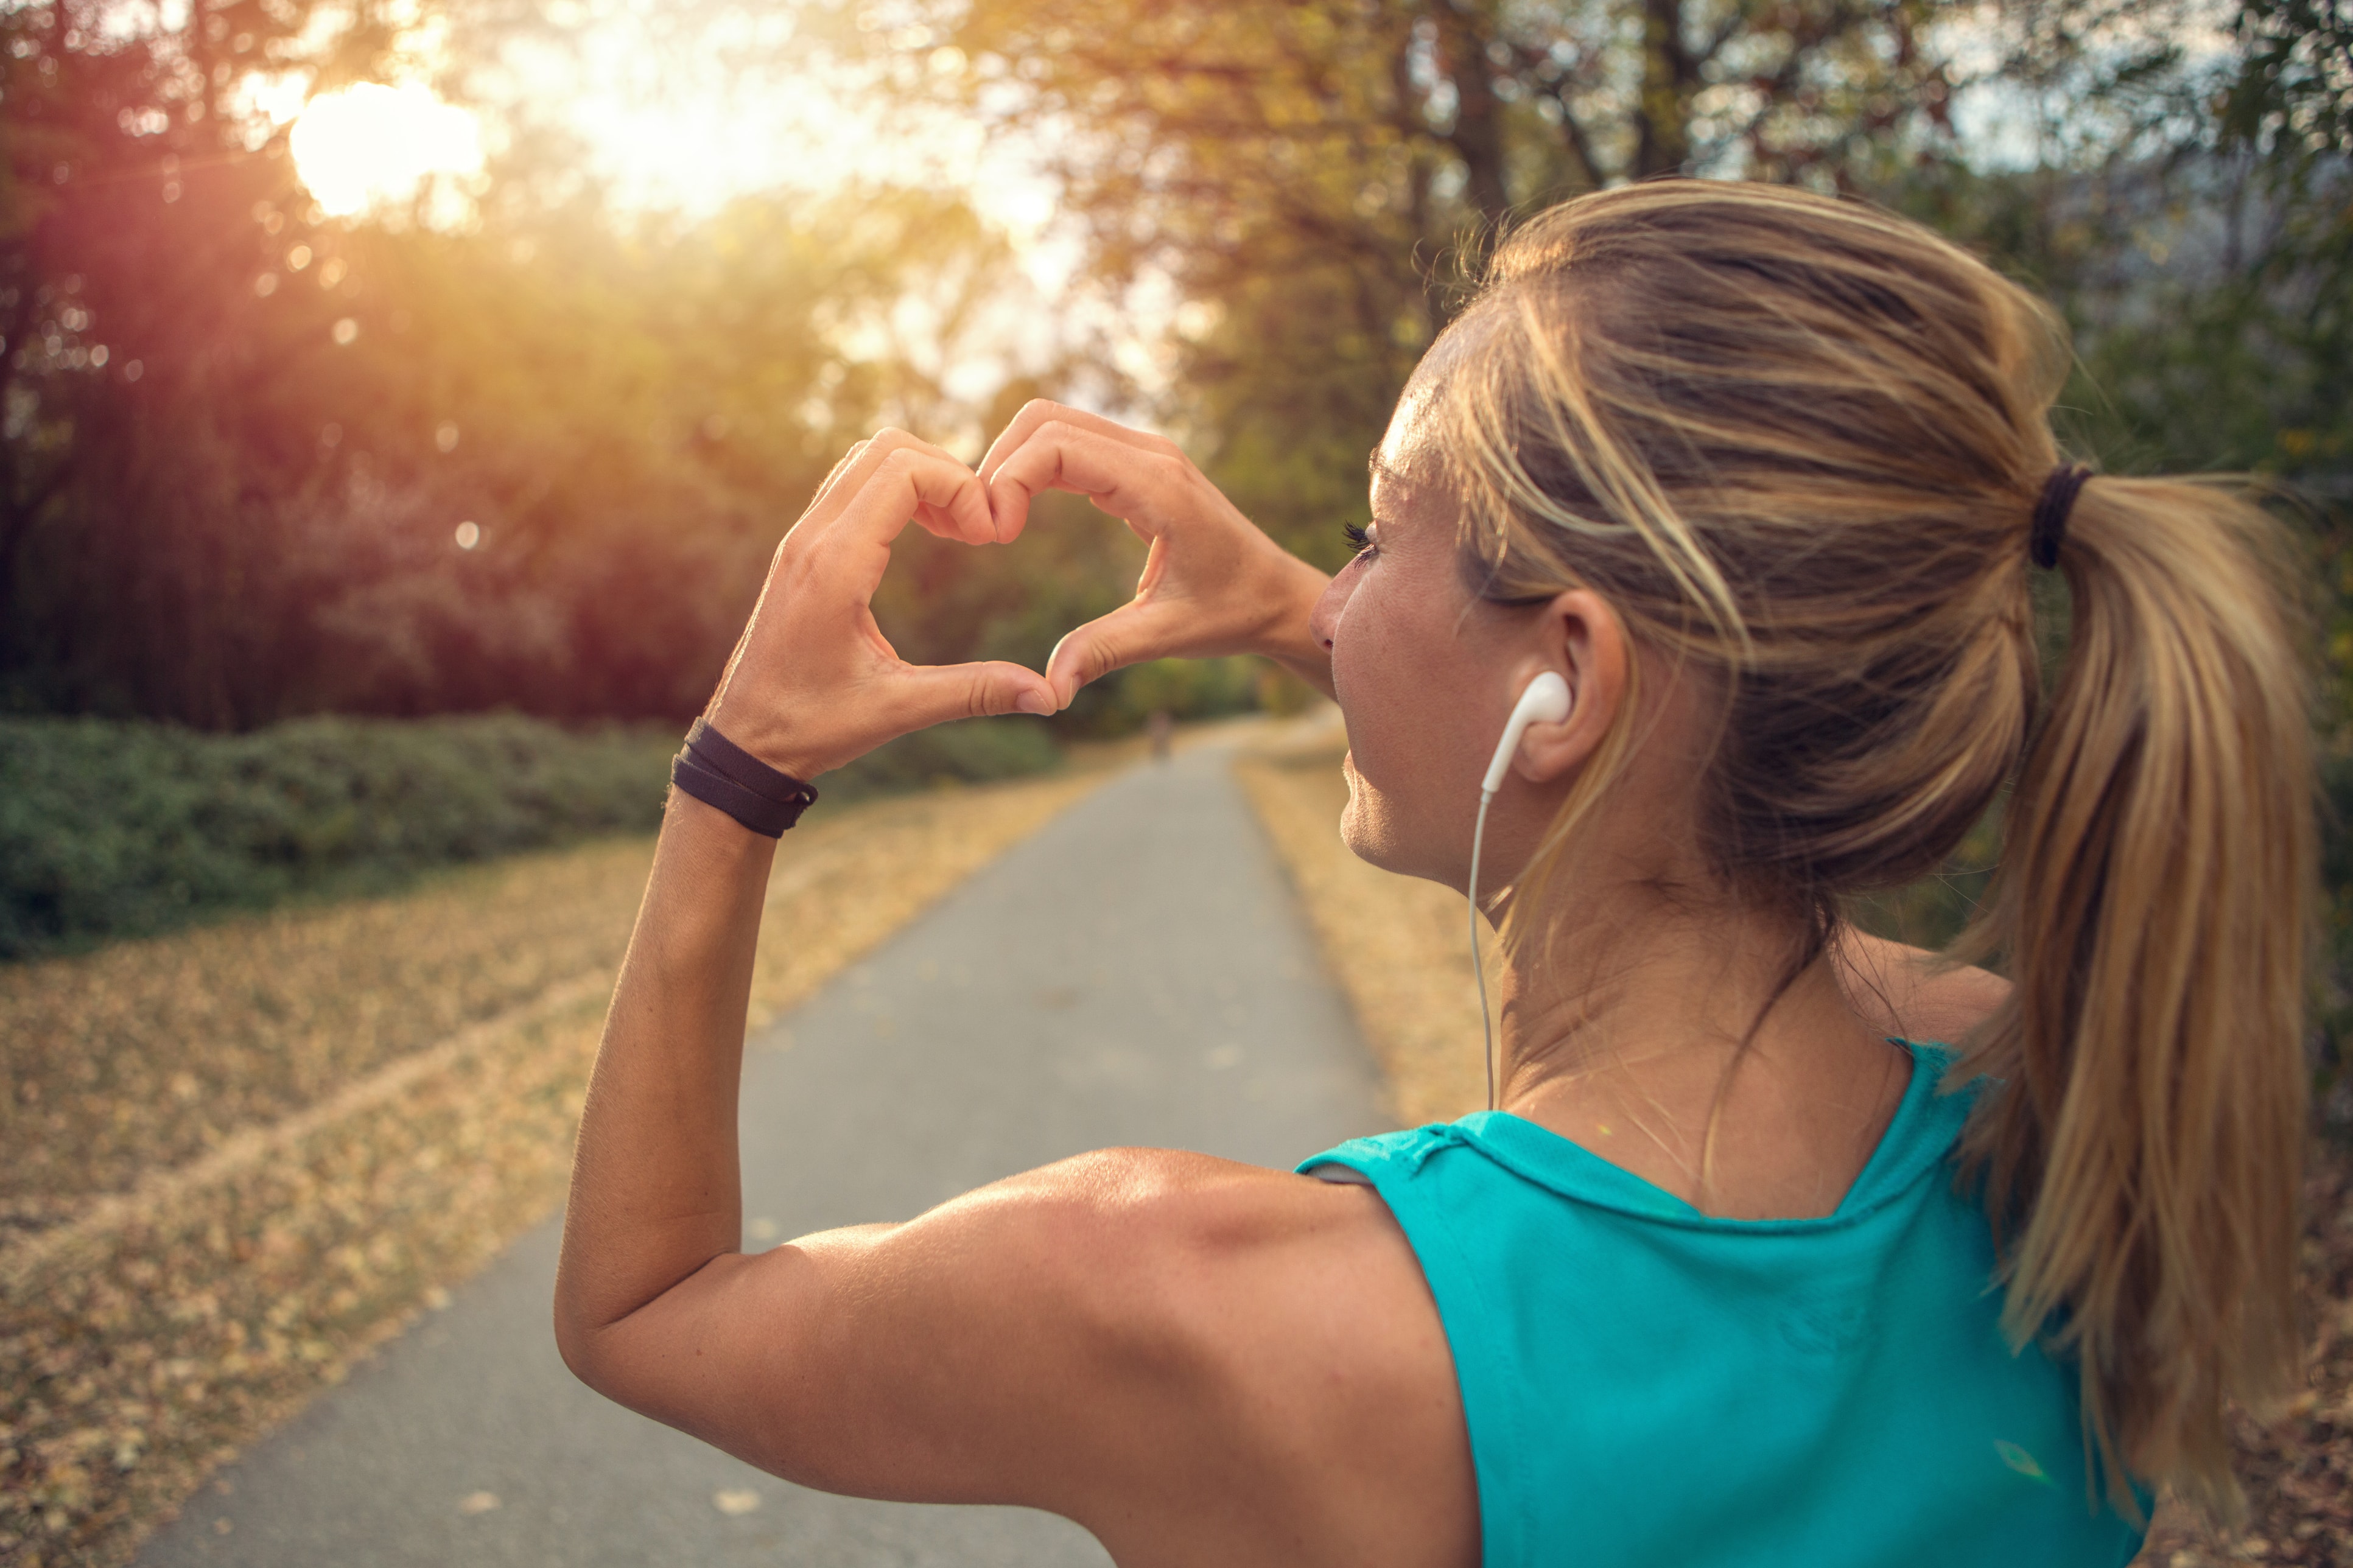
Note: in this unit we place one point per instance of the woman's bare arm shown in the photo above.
(1202, 1362)
(812, 685)
(656, 1192)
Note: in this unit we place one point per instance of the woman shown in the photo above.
(1733, 1276)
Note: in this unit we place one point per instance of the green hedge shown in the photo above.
(112, 828)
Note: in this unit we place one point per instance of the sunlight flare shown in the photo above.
(373, 145)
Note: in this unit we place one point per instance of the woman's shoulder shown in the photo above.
(1913, 993)
(1302, 1349)
(1248, 1263)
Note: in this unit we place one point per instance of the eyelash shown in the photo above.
(1357, 537)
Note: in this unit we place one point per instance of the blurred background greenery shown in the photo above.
(124, 828)
(381, 359)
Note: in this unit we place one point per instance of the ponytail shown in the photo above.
(2141, 1137)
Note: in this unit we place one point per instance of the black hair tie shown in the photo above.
(2050, 509)
(717, 772)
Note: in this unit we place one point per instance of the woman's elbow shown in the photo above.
(577, 1341)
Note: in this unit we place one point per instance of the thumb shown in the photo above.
(935, 693)
(1129, 635)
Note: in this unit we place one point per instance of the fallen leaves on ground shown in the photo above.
(2298, 1472)
(145, 1054)
(1398, 948)
(200, 1313)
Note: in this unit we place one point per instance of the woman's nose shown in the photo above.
(1325, 620)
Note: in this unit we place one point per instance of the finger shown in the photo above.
(856, 448)
(1039, 411)
(943, 524)
(1132, 634)
(970, 523)
(927, 694)
(903, 484)
(1032, 414)
(825, 488)
(1124, 478)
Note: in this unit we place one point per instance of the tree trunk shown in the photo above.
(1670, 77)
(1478, 134)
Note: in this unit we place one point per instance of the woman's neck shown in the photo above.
(1702, 1048)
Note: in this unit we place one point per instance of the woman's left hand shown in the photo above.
(813, 683)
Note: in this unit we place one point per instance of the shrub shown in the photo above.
(1120, 702)
(116, 828)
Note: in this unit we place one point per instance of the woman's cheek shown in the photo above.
(1383, 752)
(1394, 681)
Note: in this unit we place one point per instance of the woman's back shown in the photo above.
(1643, 1382)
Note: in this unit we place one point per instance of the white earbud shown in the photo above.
(1544, 701)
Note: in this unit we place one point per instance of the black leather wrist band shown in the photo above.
(717, 772)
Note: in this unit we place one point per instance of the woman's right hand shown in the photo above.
(1213, 583)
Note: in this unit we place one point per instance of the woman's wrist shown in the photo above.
(775, 744)
(717, 845)
(717, 772)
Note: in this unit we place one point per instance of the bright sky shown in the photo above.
(372, 143)
(673, 116)
(681, 118)
(676, 120)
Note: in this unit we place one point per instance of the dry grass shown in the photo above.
(1398, 948)
(167, 1314)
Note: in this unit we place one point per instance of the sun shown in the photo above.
(371, 145)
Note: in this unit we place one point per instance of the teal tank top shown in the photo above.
(1646, 1385)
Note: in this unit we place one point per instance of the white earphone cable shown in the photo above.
(1478, 965)
(1545, 699)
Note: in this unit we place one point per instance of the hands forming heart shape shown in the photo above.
(813, 683)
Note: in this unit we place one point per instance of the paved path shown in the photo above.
(1136, 972)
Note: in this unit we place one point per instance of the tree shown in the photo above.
(1305, 173)
(140, 202)
(258, 461)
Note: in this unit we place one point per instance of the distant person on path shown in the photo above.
(1163, 731)
(1785, 1245)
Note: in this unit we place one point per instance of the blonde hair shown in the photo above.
(1796, 442)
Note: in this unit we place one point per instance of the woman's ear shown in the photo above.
(1580, 635)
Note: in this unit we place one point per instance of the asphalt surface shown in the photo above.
(1137, 973)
